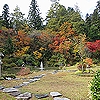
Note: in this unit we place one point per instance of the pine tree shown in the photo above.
(17, 19)
(34, 18)
(5, 16)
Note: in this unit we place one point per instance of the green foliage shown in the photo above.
(34, 18)
(17, 19)
(56, 16)
(5, 16)
(9, 47)
(19, 62)
(93, 24)
(95, 86)
(57, 60)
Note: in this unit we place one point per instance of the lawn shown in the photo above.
(66, 82)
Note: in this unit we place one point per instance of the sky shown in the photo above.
(85, 6)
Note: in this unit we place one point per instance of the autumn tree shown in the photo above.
(21, 40)
(34, 18)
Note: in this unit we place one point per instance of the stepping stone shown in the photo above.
(19, 86)
(33, 80)
(55, 94)
(26, 83)
(1, 87)
(58, 98)
(9, 90)
(39, 96)
(24, 96)
(36, 77)
(54, 72)
(15, 93)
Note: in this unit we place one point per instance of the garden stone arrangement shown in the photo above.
(14, 91)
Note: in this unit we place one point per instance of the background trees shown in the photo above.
(17, 19)
(62, 40)
(5, 16)
(34, 18)
(93, 24)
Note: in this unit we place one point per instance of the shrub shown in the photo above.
(95, 86)
(81, 67)
(24, 71)
(19, 62)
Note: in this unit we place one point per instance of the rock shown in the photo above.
(15, 93)
(55, 94)
(26, 83)
(33, 80)
(39, 96)
(55, 72)
(18, 86)
(58, 98)
(1, 87)
(24, 96)
(9, 90)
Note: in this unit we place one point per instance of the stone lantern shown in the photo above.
(1, 55)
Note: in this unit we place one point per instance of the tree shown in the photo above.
(17, 19)
(93, 24)
(5, 16)
(34, 18)
(56, 16)
(9, 47)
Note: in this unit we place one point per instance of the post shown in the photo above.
(0, 70)
(1, 55)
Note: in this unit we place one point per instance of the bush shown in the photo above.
(95, 86)
(81, 67)
(19, 62)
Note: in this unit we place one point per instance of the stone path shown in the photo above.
(14, 91)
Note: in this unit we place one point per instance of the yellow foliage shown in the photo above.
(37, 54)
(23, 51)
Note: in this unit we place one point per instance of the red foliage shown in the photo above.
(0, 31)
(93, 46)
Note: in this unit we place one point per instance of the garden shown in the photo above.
(61, 56)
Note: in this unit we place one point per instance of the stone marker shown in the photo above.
(1, 87)
(39, 96)
(8, 90)
(58, 98)
(24, 96)
(55, 94)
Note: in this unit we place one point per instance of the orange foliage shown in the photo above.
(88, 61)
(61, 41)
(22, 39)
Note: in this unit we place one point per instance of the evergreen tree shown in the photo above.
(34, 18)
(5, 16)
(56, 16)
(9, 47)
(93, 24)
(17, 19)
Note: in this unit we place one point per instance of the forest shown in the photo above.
(66, 39)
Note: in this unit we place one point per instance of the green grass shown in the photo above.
(67, 83)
